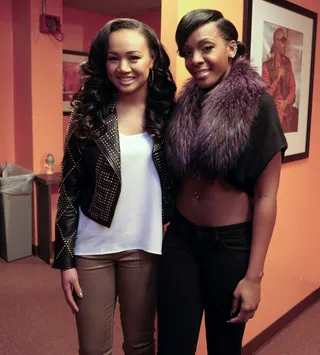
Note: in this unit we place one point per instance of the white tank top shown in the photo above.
(137, 222)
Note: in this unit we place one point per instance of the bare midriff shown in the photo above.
(213, 203)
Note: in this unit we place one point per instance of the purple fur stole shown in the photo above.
(209, 131)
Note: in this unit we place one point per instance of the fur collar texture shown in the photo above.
(210, 130)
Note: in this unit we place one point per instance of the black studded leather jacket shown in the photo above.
(91, 180)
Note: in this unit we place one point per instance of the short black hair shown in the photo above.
(197, 18)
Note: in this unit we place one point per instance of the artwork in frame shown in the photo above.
(71, 76)
(281, 41)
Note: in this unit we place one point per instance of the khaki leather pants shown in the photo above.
(129, 275)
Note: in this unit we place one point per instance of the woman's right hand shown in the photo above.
(70, 285)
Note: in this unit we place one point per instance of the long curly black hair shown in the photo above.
(97, 91)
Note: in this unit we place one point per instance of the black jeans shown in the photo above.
(199, 271)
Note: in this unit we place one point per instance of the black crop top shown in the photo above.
(266, 139)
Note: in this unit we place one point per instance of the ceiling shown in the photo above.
(119, 8)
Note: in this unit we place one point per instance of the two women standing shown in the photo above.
(130, 153)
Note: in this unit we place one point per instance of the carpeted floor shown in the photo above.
(34, 319)
(302, 337)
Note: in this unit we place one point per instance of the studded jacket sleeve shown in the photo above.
(69, 200)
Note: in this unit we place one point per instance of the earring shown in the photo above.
(234, 53)
(151, 77)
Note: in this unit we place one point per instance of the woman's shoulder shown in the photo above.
(267, 111)
(267, 125)
(266, 101)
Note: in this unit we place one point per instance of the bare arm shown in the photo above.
(265, 210)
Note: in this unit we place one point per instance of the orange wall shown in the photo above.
(152, 19)
(23, 133)
(80, 27)
(6, 85)
(292, 266)
(46, 77)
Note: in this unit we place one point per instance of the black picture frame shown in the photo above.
(298, 140)
(71, 61)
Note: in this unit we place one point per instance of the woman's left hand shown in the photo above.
(248, 294)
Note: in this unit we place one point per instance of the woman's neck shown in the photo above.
(131, 113)
(135, 99)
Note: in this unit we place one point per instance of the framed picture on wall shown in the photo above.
(281, 40)
(71, 76)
